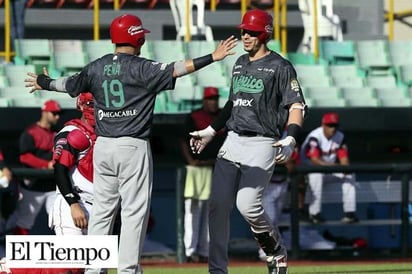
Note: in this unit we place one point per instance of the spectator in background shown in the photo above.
(325, 146)
(18, 13)
(73, 171)
(199, 169)
(36, 151)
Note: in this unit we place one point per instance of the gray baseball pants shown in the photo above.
(123, 171)
(242, 171)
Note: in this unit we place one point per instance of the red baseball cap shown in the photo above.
(51, 106)
(330, 118)
(210, 92)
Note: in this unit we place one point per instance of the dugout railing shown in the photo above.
(403, 170)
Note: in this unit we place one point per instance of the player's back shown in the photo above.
(124, 88)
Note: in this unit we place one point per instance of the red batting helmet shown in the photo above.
(258, 20)
(86, 101)
(127, 29)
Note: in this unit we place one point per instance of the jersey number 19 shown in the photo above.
(113, 93)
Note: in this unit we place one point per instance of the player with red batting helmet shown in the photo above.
(124, 86)
(265, 96)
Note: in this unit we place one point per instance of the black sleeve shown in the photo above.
(26, 143)
(224, 115)
(188, 126)
(61, 176)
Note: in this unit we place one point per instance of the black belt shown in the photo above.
(247, 133)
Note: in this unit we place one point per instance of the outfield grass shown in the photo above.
(323, 269)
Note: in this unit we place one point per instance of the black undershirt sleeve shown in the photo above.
(63, 183)
(223, 116)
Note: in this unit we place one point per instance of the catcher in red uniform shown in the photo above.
(73, 171)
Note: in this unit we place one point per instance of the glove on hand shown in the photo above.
(201, 138)
(286, 147)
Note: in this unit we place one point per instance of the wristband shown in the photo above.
(72, 198)
(203, 61)
(294, 130)
(44, 81)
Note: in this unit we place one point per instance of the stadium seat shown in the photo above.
(381, 81)
(212, 75)
(17, 91)
(313, 75)
(184, 91)
(33, 51)
(97, 48)
(3, 81)
(337, 52)
(373, 57)
(45, 3)
(405, 74)
(348, 69)
(346, 75)
(69, 56)
(328, 102)
(199, 47)
(362, 102)
(17, 73)
(107, 3)
(391, 92)
(20, 97)
(318, 81)
(299, 58)
(395, 102)
(315, 93)
(348, 81)
(353, 93)
(168, 51)
(400, 52)
(147, 50)
(6, 102)
(67, 45)
(69, 63)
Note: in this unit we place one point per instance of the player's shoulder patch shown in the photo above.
(294, 85)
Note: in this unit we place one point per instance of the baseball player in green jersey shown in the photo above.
(265, 96)
(124, 87)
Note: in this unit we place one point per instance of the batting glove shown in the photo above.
(201, 138)
(286, 147)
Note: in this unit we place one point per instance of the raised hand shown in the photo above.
(31, 82)
(224, 48)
